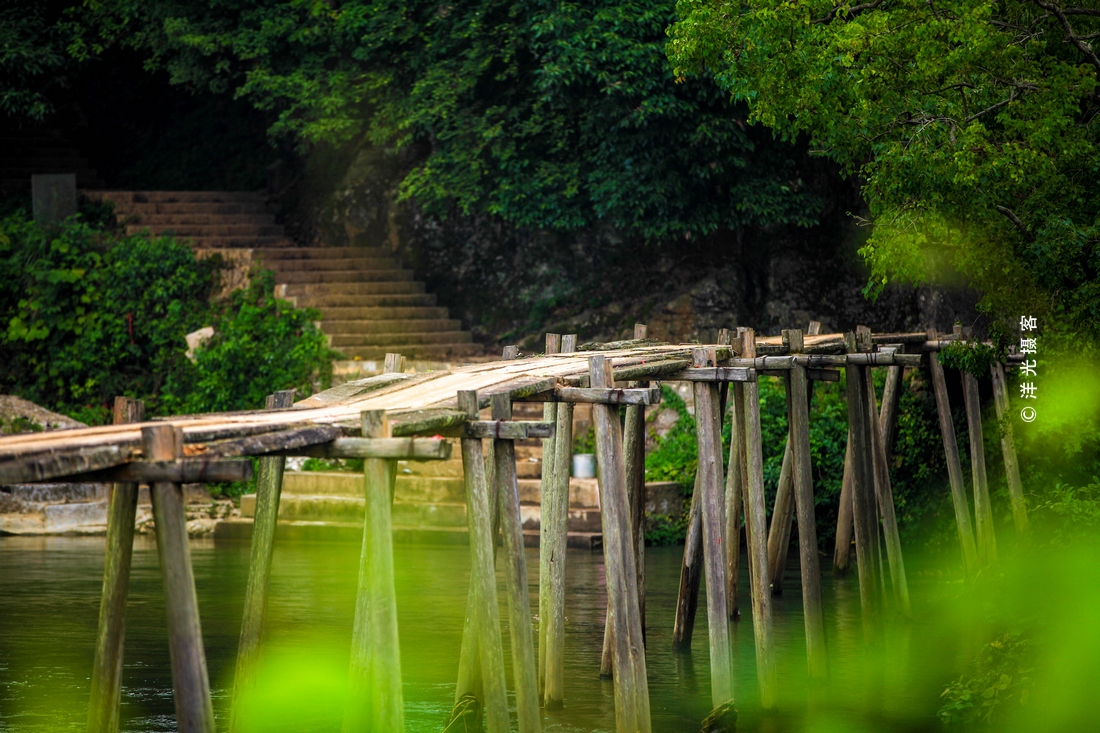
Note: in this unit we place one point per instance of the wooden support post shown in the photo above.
(1008, 449)
(864, 511)
(884, 494)
(546, 501)
(954, 465)
(103, 710)
(555, 544)
(510, 352)
(634, 449)
(779, 534)
(799, 441)
(687, 599)
(483, 645)
(375, 699)
(891, 402)
(844, 526)
(194, 711)
(757, 537)
(736, 496)
(269, 486)
(524, 665)
(631, 684)
(983, 514)
(394, 364)
(712, 510)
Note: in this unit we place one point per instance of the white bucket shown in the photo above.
(584, 465)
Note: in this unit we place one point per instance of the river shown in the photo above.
(49, 600)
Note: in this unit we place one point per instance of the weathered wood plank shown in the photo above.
(524, 663)
(375, 701)
(508, 429)
(483, 615)
(1008, 449)
(184, 471)
(954, 465)
(983, 513)
(106, 687)
(647, 396)
(191, 684)
(631, 684)
(269, 487)
(758, 550)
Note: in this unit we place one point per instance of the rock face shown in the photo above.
(510, 285)
(18, 415)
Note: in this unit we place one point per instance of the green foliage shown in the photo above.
(971, 356)
(333, 464)
(664, 529)
(548, 115)
(89, 314)
(258, 341)
(676, 456)
(971, 123)
(33, 61)
(1000, 684)
(1066, 513)
(585, 442)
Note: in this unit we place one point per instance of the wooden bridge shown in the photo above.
(396, 416)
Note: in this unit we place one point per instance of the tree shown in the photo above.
(972, 123)
(549, 115)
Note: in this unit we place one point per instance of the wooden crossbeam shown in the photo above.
(185, 471)
(508, 429)
(609, 396)
(409, 449)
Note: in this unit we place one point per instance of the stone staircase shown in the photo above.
(370, 305)
(24, 153)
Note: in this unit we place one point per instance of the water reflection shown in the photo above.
(49, 599)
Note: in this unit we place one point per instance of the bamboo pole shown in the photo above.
(954, 466)
(375, 699)
(103, 710)
(194, 711)
(556, 539)
(524, 664)
(709, 438)
(983, 513)
(884, 493)
(863, 497)
(547, 491)
(799, 441)
(482, 613)
(1008, 449)
(631, 684)
(758, 550)
(269, 485)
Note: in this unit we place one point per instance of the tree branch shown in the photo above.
(852, 11)
(1083, 47)
(1011, 216)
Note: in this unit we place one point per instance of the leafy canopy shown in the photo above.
(549, 115)
(970, 121)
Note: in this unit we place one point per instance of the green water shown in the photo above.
(49, 599)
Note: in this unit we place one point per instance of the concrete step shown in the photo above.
(59, 493)
(190, 209)
(209, 230)
(320, 253)
(239, 242)
(418, 315)
(316, 278)
(371, 328)
(450, 469)
(186, 197)
(417, 351)
(406, 287)
(408, 487)
(528, 470)
(580, 519)
(152, 220)
(355, 303)
(394, 340)
(305, 507)
(327, 264)
(305, 531)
